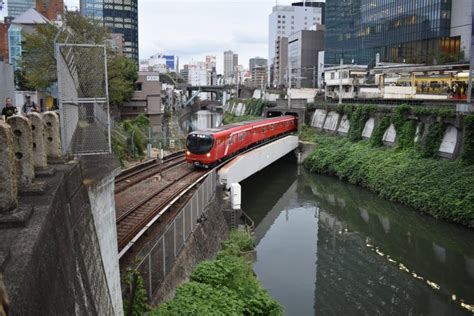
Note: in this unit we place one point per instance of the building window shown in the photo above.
(138, 86)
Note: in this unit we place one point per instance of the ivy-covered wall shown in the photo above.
(426, 125)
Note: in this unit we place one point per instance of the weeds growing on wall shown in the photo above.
(441, 188)
(140, 301)
(377, 135)
(468, 148)
(225, 286)
(433, 140)
(358, 117)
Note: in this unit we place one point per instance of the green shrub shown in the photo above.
(225, 286)
(468, 148)
(231, 119)
(193, 298)
(444, 189)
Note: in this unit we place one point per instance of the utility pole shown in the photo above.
(340, 81)
(289, 84)
(314, 77)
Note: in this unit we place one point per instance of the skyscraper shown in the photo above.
(231, 61)
(120, 16)
(18, 7)
(412, 31)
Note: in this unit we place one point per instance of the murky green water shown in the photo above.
(329, 248)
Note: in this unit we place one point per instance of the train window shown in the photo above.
(241, 135)
(264, 130)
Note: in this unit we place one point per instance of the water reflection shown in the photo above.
(203, 120)
(329, 248)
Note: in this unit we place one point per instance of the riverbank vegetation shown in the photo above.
(444, 189)
(224, 286)
(231, 118)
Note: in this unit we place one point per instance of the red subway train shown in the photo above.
(205, 149)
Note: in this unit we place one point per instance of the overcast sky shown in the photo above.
(192, 29)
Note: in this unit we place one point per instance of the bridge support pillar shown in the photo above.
(235, 196)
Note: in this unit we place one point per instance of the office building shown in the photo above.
(303, 50)
(258, 76)
(18, 7)
(411, 31)
(231, 61)
(280, 62)
(185, 73)
(257, 61)
(288, 19)
(146, 100)
(120, 16)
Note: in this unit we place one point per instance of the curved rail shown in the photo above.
(130, 229)
(127, 179)
(134, 219)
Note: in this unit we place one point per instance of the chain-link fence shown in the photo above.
(159, 260)
(83, 98)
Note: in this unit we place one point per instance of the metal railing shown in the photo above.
(158, 260)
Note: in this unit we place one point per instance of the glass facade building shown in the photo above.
(119, 16)
(18, 7)
(411, 31)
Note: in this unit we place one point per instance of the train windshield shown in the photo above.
(199, 144)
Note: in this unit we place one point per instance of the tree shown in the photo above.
(122, 77)
(39, 62)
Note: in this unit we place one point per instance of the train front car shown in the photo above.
(199, 149)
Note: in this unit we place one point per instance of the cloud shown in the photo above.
(192, 29)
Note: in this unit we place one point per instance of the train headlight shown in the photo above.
(208, 155)
(188, 153)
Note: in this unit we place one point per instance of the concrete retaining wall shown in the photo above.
(451, 146)
(54, 264)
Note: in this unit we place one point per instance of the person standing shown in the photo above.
(29, 106)
(9, 109)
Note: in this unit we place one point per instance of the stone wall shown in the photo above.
(55, 265)
(58, 250)
(331, 121)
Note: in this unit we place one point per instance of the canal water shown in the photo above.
(202, 120)
(326, 247)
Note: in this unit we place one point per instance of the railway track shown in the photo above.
(131, 221)
(130, 177)
(140, 203)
